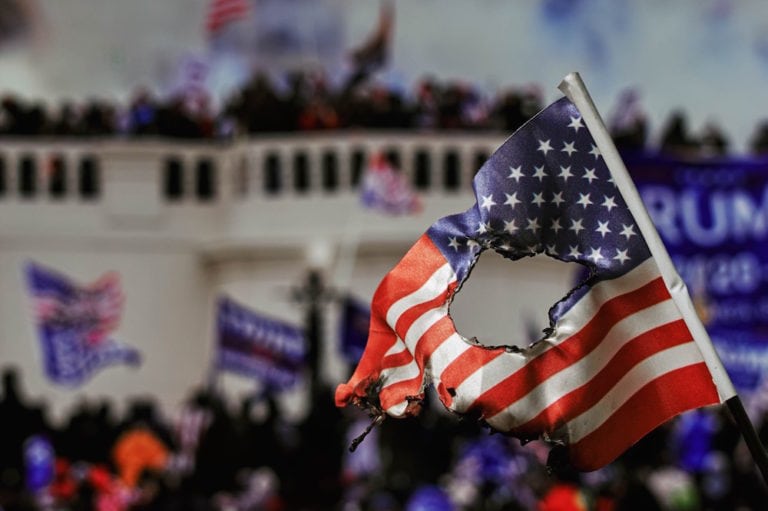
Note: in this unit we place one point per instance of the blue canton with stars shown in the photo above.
(546, 190)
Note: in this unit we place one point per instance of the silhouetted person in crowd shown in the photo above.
(509, 111)
(21, 119)
(66, 122)
(218, 455)
(98, 119)
(629, 124)
(675, 138)
(426, 106)
(316, 460)
(713, 141)
(17, 419)
(758, 144)
(144, 411)
(173, 120)
(450, 108)
(259, 438)
(89, 434)
(142, 113)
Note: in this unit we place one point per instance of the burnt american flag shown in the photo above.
(618, 358)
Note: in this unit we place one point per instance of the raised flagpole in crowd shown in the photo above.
(573, 87)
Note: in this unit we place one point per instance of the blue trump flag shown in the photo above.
(254, 345)
(74, 324)
(713, 217)
(353, 331)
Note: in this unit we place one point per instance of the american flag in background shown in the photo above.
(618, 359)
(75, 324)
(386, 189)
(223, 12)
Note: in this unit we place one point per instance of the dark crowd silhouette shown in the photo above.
(306, 102)
(214, 454)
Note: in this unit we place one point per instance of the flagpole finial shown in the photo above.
(571, 80)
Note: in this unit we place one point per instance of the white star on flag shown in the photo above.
(512, 200)
(628, 231)
(488, 202)
(516, 173)
(568, 147)
(584, 200)
(602, 228)
(510, 227)
(589, 175)
(595, 255)
(576, 226)
(576, 124)
(609, 203)
(621, 256)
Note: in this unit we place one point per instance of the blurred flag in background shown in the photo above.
(223, 12)
(353, 331)
(74, 324)
(385, 189)
(254, 345)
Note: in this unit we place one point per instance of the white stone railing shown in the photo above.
(67, 170)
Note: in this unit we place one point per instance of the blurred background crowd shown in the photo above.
(216, 454)
(305, 102)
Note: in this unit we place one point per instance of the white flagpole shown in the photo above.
(573, 87)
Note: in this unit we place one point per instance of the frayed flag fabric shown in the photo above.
(254, 345)
(619, 357)
(75, 323)
(385, 189)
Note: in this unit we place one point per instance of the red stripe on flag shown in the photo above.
(397, 359)
(463, 367)
(416, 267)
(586, 396)
(570, 350)
(665, 397)
(426, 346)
(419, 264)
(407, 318)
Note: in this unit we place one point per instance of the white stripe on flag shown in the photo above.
(574, 376)
(651, 368)
(432, 288)
(417, 329)
(497, 370)
(405, 372)
(448, 351)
